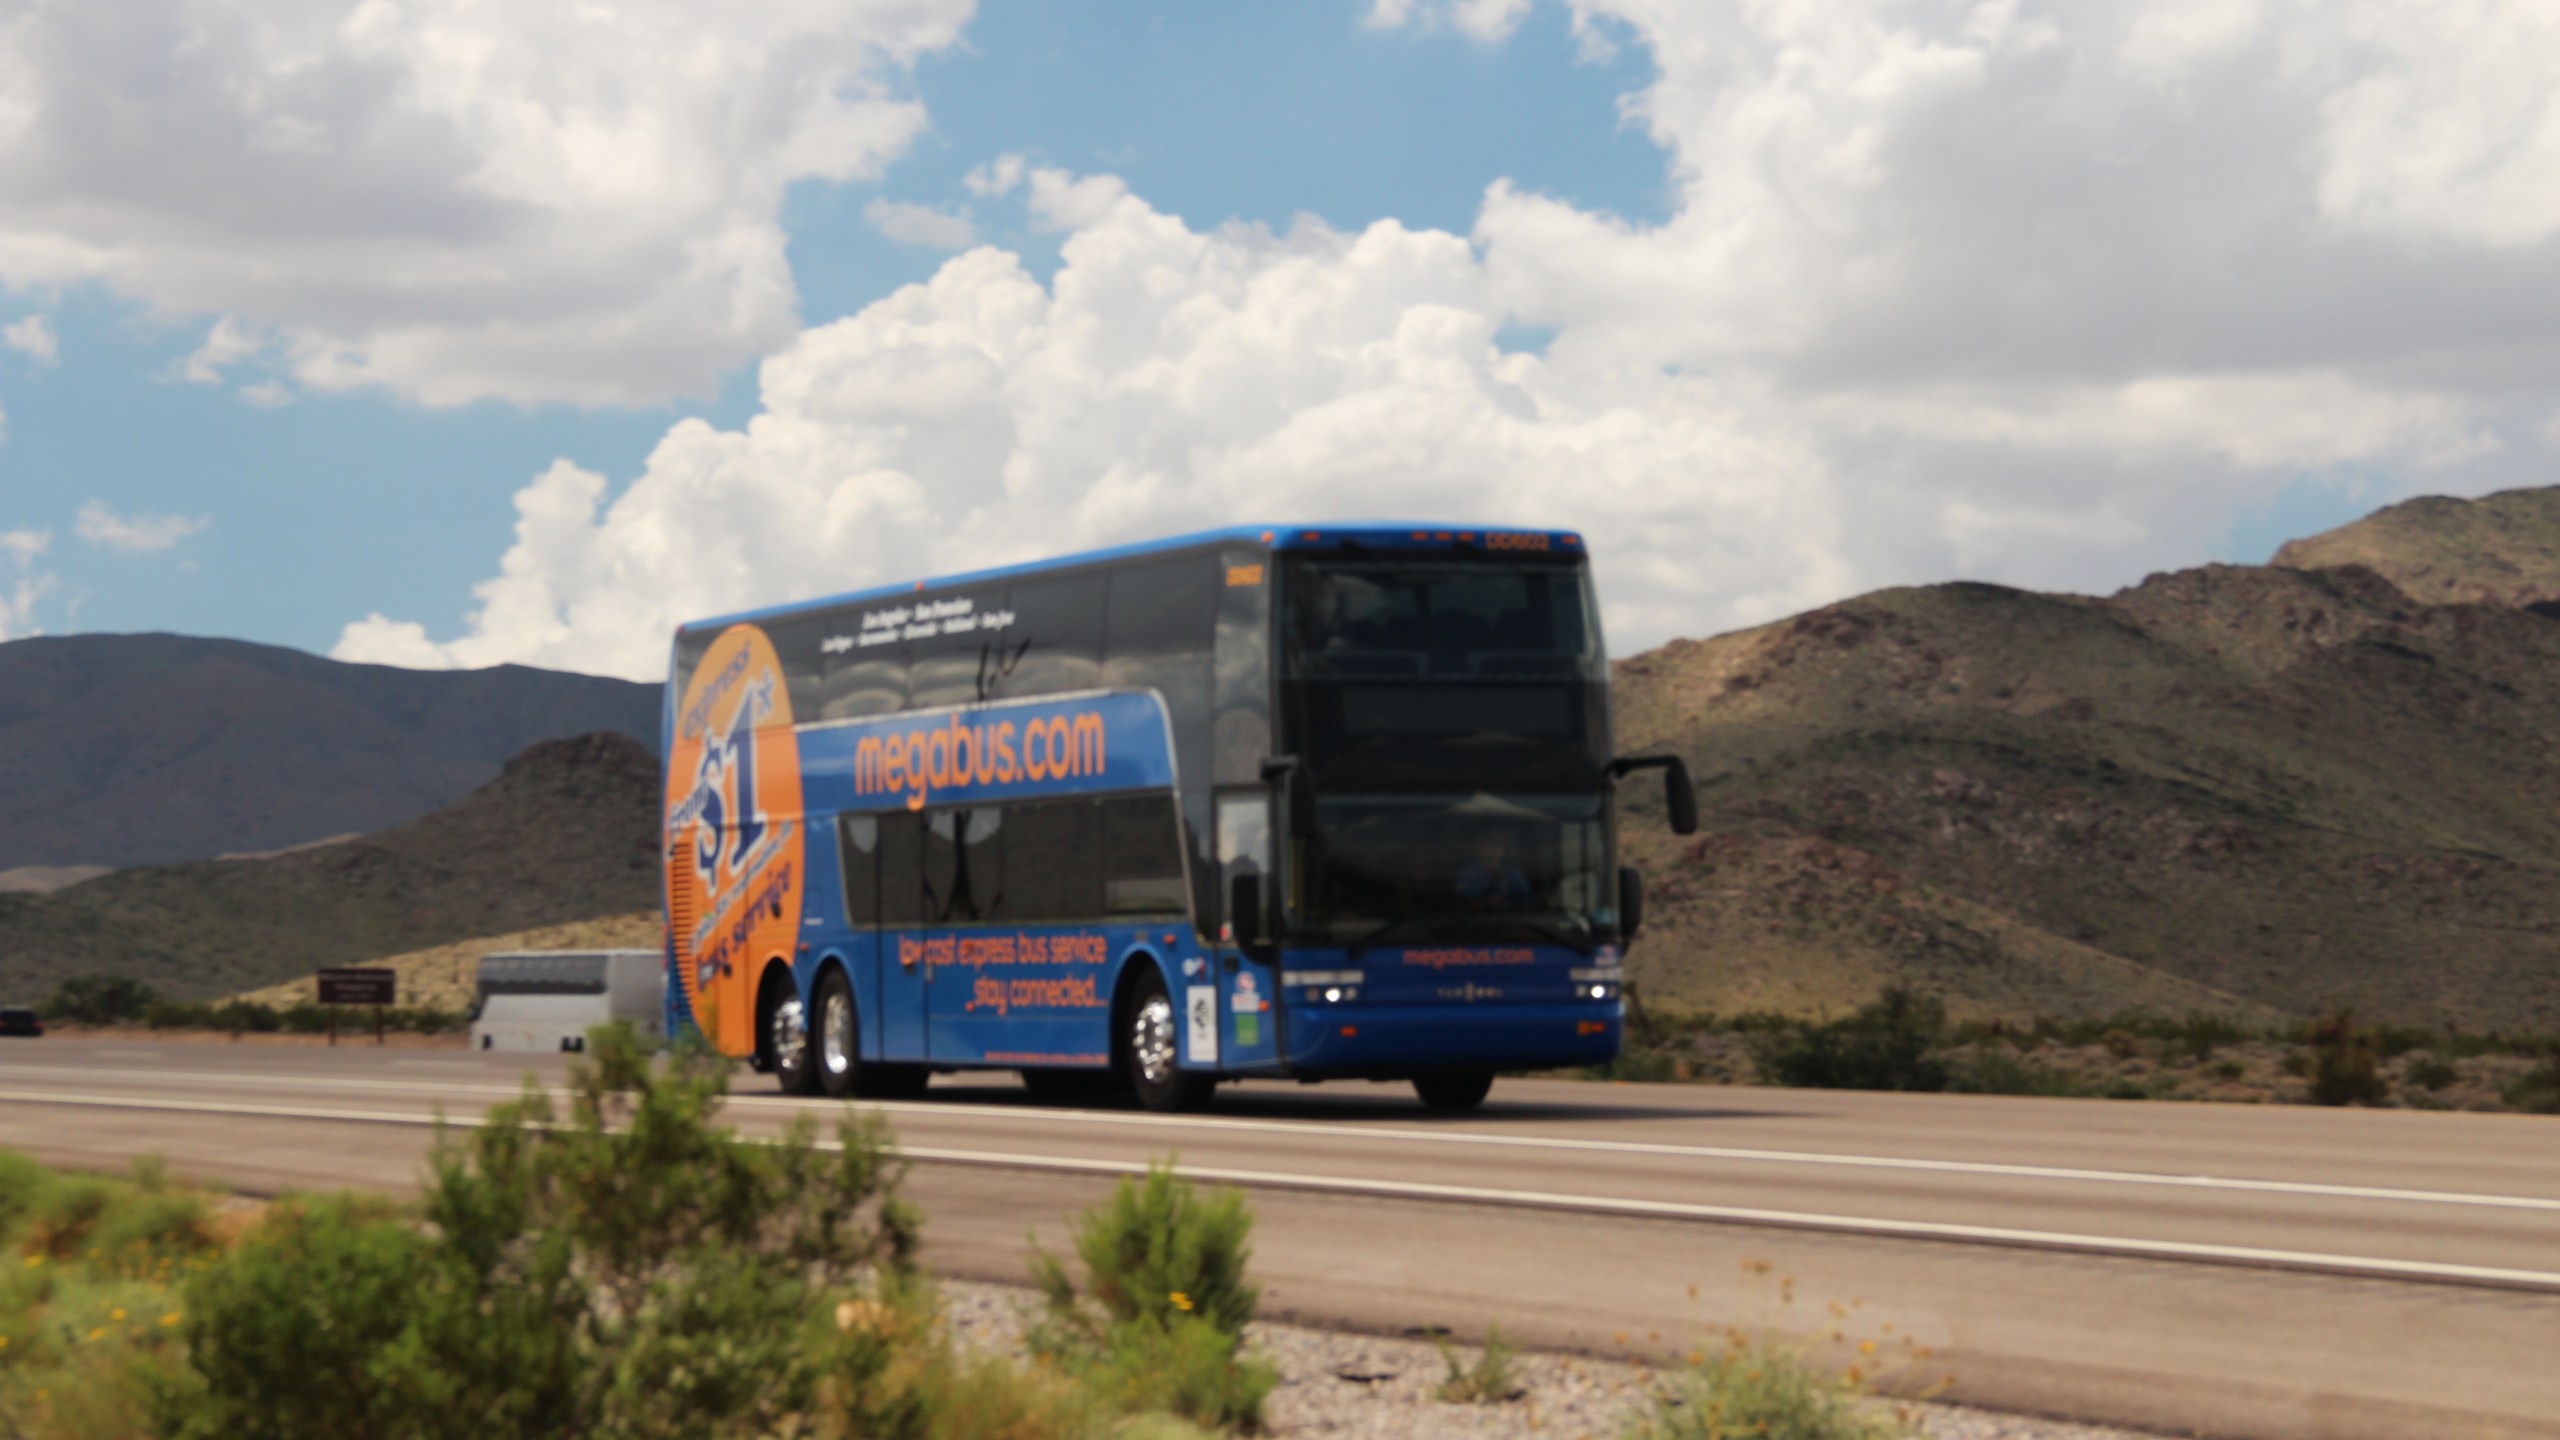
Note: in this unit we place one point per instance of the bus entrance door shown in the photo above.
(900, 974)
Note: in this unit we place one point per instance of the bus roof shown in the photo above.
(1376, 534)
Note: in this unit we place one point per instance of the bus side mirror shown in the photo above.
(1681, 796)
(1244, 909)
(1630, 903)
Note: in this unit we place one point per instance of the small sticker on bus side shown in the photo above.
(1203, 1003)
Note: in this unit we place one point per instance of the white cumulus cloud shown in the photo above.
(926, 225)
(2037, 293)
(25, 585)
(34, 338)
(136, 533)
(452, 199)
(1166, 380)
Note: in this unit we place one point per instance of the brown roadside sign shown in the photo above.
(357, 985)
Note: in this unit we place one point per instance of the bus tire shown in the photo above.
(782, 1036)
(1150, 1047)
(836, 1050)
(1453, 1089)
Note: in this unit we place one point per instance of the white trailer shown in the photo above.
(546, 999)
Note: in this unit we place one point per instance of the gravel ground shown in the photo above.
(1344, 1386)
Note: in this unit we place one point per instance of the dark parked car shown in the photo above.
(18, 1020)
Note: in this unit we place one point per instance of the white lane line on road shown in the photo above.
(2306, 1188)
(2368, 1266)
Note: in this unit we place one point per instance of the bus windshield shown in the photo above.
(1526, 867)
(1461, 620)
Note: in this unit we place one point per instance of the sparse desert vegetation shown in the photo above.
(1906, 1041)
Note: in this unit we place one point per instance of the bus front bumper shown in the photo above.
(1390, 1042)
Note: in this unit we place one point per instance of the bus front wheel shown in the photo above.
(1150, 1049)
(1455, 1090)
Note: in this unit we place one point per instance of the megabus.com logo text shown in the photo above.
(991, 752)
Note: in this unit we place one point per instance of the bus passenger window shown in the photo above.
(1052, 862)
(901, 870)
(858, 836)
(963, 864)
(1141, 857)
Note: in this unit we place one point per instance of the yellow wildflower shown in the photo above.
(169, 1319)
(1180, 1300)
(117, 1314)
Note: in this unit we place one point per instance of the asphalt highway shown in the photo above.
(2239, 1271)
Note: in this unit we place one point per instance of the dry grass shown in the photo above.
(442, 977)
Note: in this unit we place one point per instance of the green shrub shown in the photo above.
(2431, 1072)
(628, 1268)
(1160, 1323)
(1888, 1045)
(1487, 1382)
(88, 1298)
(100, 999)
(2001, 1072)
(2537, 1089)
(1753, 1393)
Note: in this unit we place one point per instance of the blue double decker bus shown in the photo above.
(1314, 803)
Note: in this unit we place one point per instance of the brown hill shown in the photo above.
(567, 832)
(149, 749)
(2268, 788)
(447, 976)
(2501, 549)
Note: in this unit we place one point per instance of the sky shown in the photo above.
(437, 333)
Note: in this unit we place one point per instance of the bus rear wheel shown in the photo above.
(1454, 1090)
(1149, 1052)
(783, 1037)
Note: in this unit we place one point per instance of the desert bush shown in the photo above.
(1746, 1392)
(1990, 1071)
(1888, 1045)
(2344, 1066)
(2537, 1089)
(2431, 1072)
(1489, 1381)
(627, 1268)
(1159, 1325)
(88, 1297)
(100, 999)
(1645, 1064)
(254, 1018)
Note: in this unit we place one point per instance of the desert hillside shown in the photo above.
(2239, 787)
(566, 832)
(122, 750)
(2501, 549)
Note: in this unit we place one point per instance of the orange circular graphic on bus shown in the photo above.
(734, 834)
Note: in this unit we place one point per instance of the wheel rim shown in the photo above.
(790, 1038)
(1151, 1040)
(835, 1040)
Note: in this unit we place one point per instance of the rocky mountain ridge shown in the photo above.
(2252, 788)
